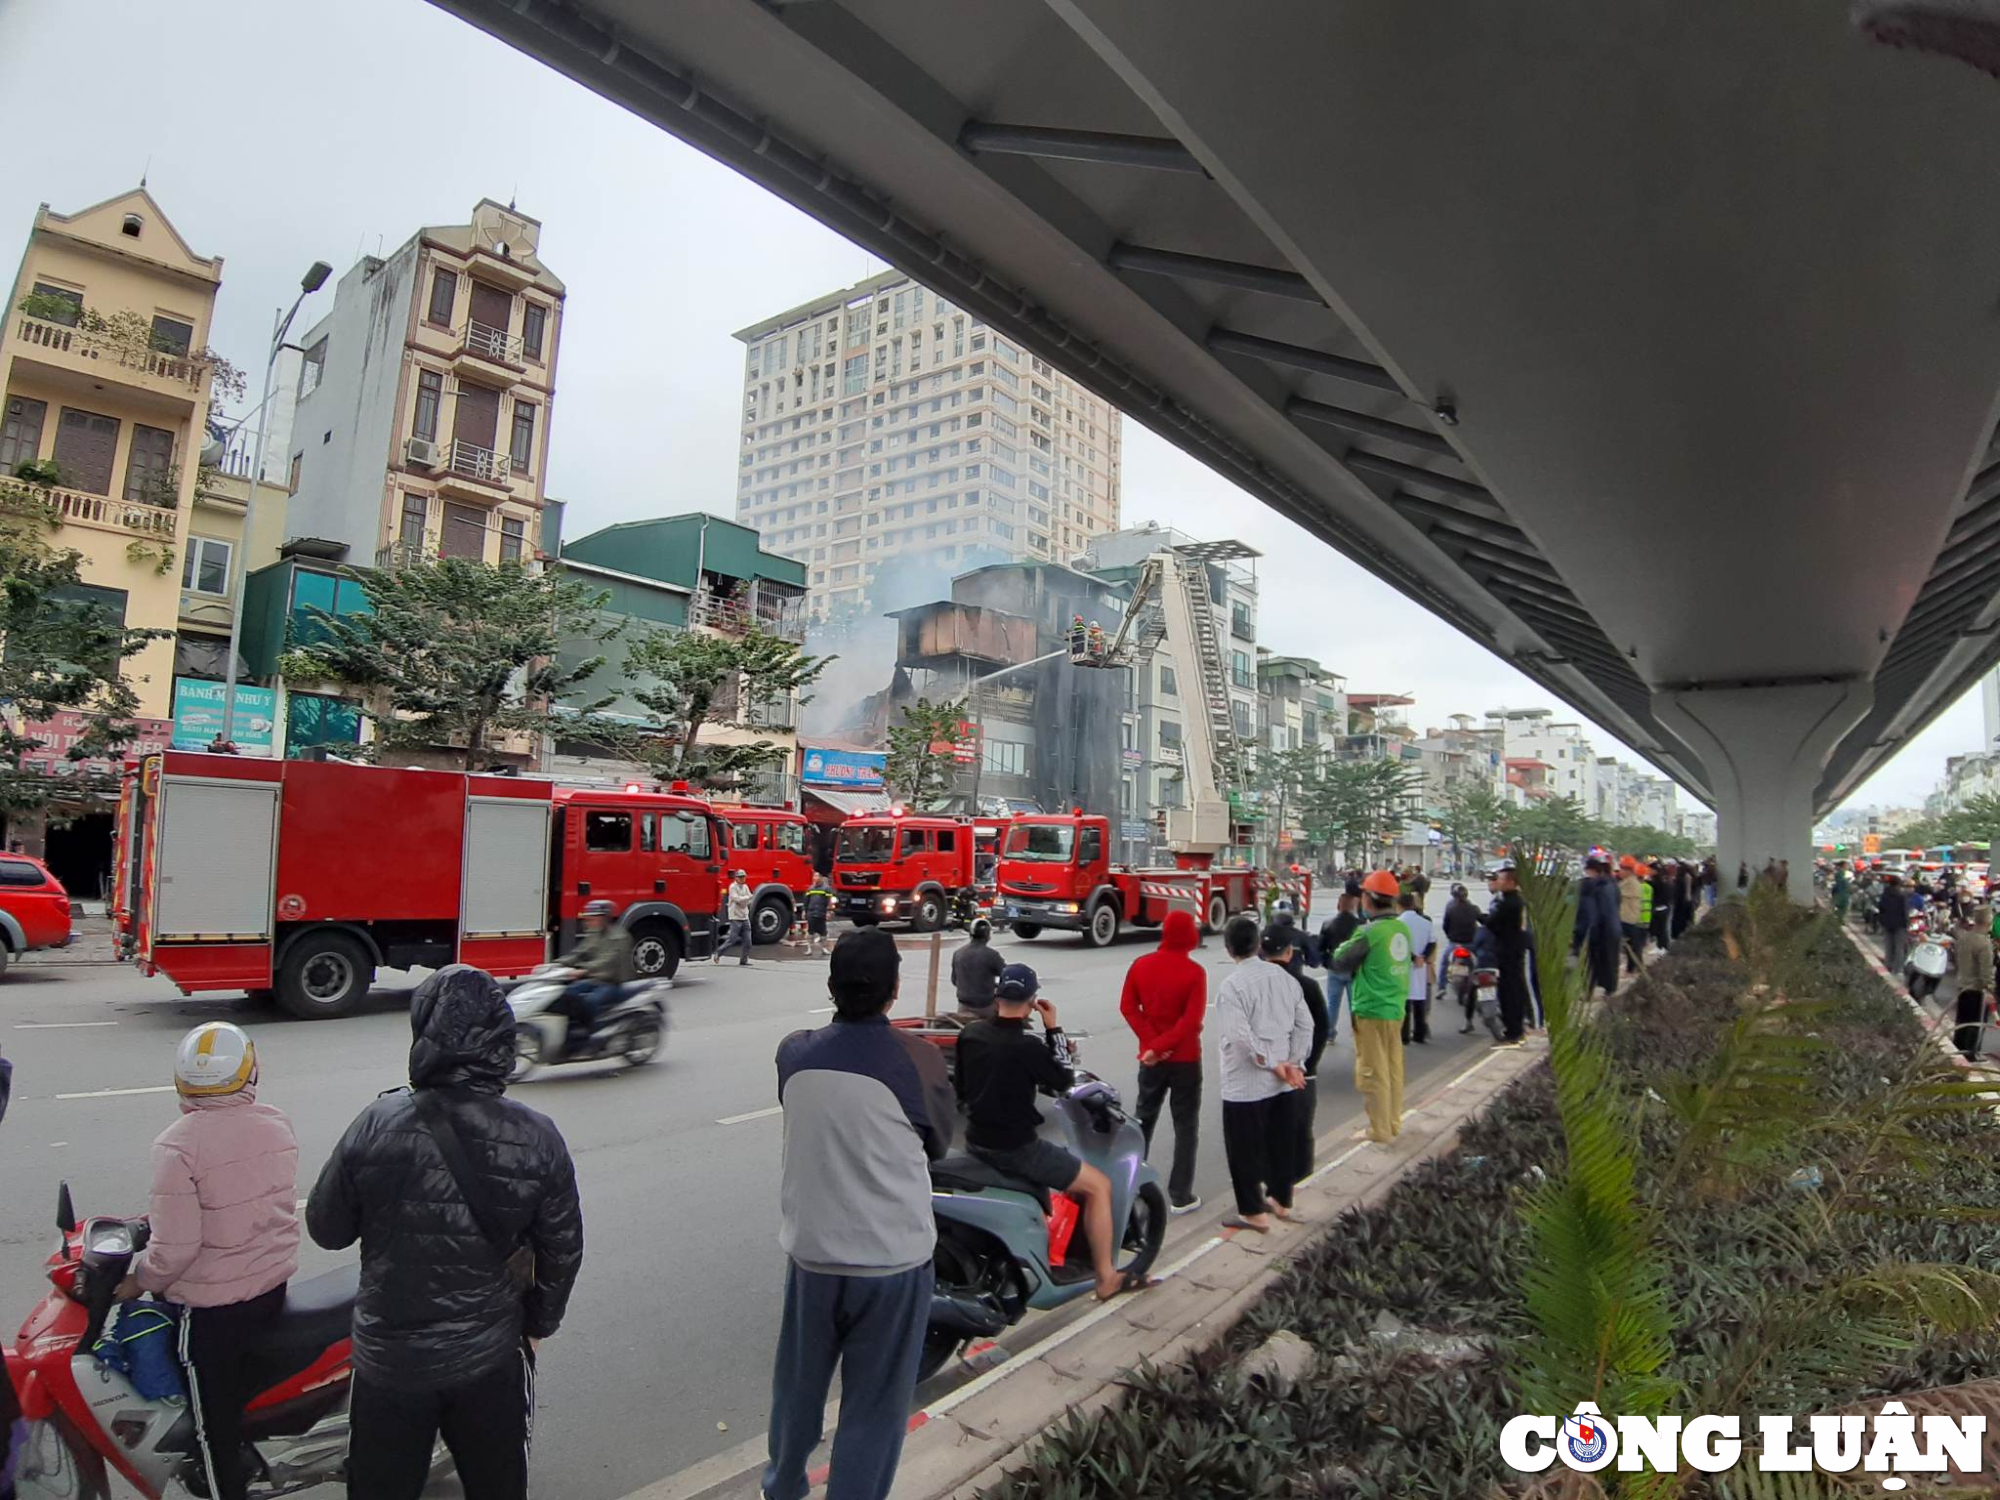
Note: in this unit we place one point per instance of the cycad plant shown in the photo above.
(1752, 1121)
(1596, 1286)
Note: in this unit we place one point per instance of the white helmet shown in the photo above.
(215, 1058)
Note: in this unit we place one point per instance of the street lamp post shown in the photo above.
(312, 281)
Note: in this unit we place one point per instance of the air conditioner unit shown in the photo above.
(421, 453)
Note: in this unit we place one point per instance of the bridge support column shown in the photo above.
(1765, 749)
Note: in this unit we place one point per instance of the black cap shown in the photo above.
(1017, 983)
(1278, 938)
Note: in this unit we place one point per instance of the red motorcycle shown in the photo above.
(85, 1420)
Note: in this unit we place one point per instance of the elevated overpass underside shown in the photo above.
(1655, 346)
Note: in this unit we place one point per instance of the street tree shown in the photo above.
(1353, 803)
(1557, 823)
(691, 680)
(1282, 779)
(456, 652)
(61, 652)
(922, 752)
(1472, 815)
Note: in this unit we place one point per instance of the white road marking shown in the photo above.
(58, 1025)
(755, 1114)
(164, 1088)
(54, 1144)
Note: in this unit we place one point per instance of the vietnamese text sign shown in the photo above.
(63, 729)
(854, 768)
(198, 716)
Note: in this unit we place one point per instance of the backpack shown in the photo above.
(142, 1344)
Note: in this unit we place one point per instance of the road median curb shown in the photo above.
(968, 1438)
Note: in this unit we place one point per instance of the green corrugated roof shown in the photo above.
(671, 548)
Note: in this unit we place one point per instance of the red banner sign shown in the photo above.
(58, 734)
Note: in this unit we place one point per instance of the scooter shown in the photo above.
(1930, 959)
(632, 1029)
(1005, 1246)
(1476, 989)
(85, 1421)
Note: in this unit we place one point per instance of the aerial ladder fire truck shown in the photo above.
(1055, 869)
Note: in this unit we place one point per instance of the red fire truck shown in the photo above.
(1056, 871)
(300, 879)
(769, 845)
(898, 866)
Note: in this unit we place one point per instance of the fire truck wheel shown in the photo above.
(1027, 929)
(1218, 912)
(771, 920)
(1103, 928)
(656, 950)
(324, 975)
(929, 915)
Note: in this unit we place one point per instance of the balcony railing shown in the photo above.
(476, 462)
(102, 511)
(401, 555)
(60, 338)
(775, 614)
(489, 342)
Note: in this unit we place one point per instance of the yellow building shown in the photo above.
(102, 362)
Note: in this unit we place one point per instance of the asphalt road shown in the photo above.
(664, 1360)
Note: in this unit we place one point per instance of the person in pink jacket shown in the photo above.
(225, 1234)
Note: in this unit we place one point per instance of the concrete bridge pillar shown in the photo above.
(1764, 749)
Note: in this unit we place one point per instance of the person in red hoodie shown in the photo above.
(1166, 995)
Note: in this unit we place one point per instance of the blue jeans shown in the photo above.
(1336, 996)
(873, 1328)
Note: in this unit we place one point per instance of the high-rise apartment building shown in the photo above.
(422, 419)
(892, 440)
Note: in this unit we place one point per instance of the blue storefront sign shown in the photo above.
(848, 768)
(198, 716)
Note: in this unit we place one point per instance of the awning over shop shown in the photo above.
(843, 804)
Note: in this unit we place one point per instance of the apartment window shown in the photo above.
(444, 295)
(523, 449)
(1169, 684)
(534, 328)
(513, 536)
(172, 335)
(313, 370)
(1006, 757)
(411, 535)
(1170, 734)
(51, 298)
(298, 468)
(205, 569)
(430, 398)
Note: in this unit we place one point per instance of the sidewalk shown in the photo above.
(91, 942)
(967, 1438)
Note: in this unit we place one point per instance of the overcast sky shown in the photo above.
(275, 132)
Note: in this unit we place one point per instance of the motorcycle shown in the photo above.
(1476, 989)
(1005, 1246)
(1930, 959)
(85, 1420)
(630, 1029)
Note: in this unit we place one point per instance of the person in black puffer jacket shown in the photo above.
(444, 1333)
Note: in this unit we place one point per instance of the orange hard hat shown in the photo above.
(1382, 883)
